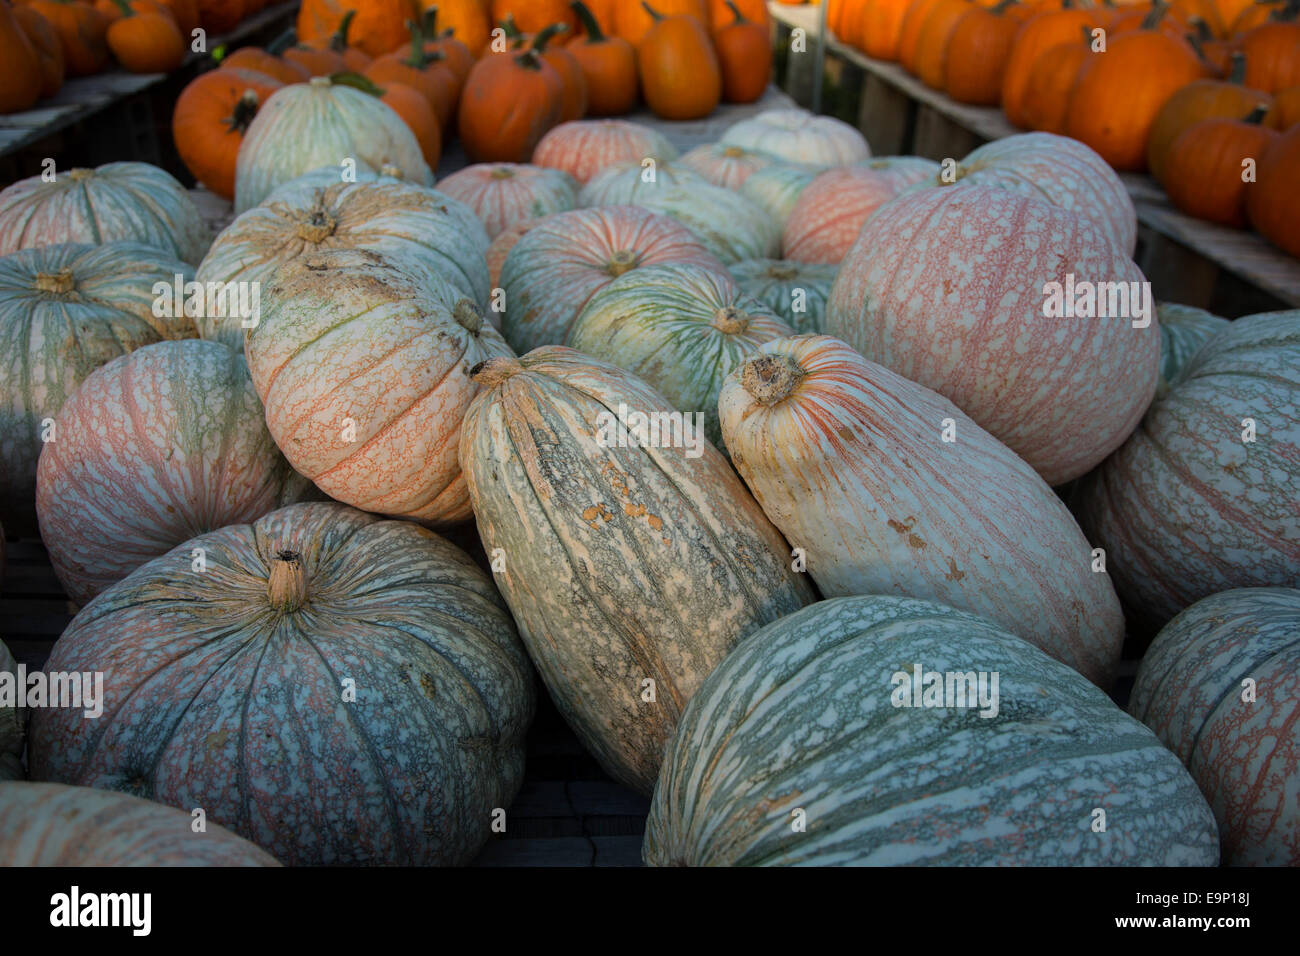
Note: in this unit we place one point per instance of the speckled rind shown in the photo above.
(800, 716)
(777, 188)
(502, 194)
(799, 136)
(156, 447)
(730, 226)
(794, 291)
(1186, 508)
(727, 165)
(1183, 330)
(620, 564)
(584, 148)
(215, 699)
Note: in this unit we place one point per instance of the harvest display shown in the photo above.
(834, 501)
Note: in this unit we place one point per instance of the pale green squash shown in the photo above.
(1183, 330)
(795, 291)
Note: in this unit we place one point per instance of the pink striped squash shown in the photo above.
(849, 461)
(948, 287)
(556, 268)
(1241, 741)
(129, 202)
(832, 209)
(364, 372)
(726, 165)
(776, 189)
(1059, 170)
(155, 447)
(582, 148)
(336, 688)
(1189, 506)
(51, 824)
(501, 194)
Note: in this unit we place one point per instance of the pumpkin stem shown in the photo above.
(730, 320)
(734, 151)
(243, 113)
(429, 22)
(544, 37)
(511, 29)
(1257, 115)
(782, 271)
(620, 262)
(1152, 19)
(80, 173)
(125, 8)
(418, 59)
(738, 17)
(771, 378)
(651, 10)
(281, 43)
(317, 226)
(503, 172)
(467, 314)
(391, 171)
(1237, 72)
(354, 80)
(494, 371)
(339, 41)
(59, 283)
(286, 586)
(589, 22)
(1004, 5)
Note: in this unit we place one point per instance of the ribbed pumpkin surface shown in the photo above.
(1243, 753)
(831, 210)
(794, 291)
(1185, 508)
(154, 448)
(776, 189)
(622, 564)
(1183, 330)
(502, 194)
(308, 125)
(799, 716)
(680, 328)
(423, 231)
(64, 311)
(848, 460)
(729, 225)
(798, 136)
(497, 252)
(49, 824)
(12, 721)
(583, 148)
(555, 269)
(225, 689)
(1058, 170)
(726, 165)
(364, 372)
(948, 291)
(626, 184)
(132, 202)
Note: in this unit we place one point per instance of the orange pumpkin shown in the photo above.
(260, 61)
(930, 61)
(755, 11)
(379, 27)
(427, 73)
(419, 116)
(145, 39)
(877, 27)
(1272, 201)
(210, 119)
(632, 21)
(222, 16)
(909, 34)
(1195, 103)
(1260, 11)
(317, 61)
(744, 49)
(82, 33)
(470, 21)
(508, 104)
(679, 70)
(1047, 95)
(608, 63)
(353, 59)
(1118, 94)
(21, 86)
(1272, 53)
(573, 81)
(533, 16)
(1205, 167)
(1039, 34)
(1286, 109)
(459, 59)
(45, 44)
(978, 50)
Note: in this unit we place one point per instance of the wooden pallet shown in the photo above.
(1231, 272)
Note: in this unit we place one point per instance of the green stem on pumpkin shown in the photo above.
(589, 22)
(339, 39)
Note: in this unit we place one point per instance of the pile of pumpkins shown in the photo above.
(1195, 91)
(499, 88)
(756, 442)
(44, 42)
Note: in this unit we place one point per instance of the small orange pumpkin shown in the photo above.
(977, 52)
(45, 44)
(573, 81)
(508, 104)
(1272, 201)
(260, 61)
(744, 49)
(679, 70)
(82, 32)
(608, 63)
(145, 39)
(210, 119)
(1204, 171)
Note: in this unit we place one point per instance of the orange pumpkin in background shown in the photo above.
(509, 103)
(418, 115)
(353, 59)
(1203, 171)
(632, 21)
(1039, 34)
(573, 81)
(909, 34)
(1286, 108)
(145, 39)
(679, 71)
(317, 61)
(534, 16)
(744, 49)
(457, 55)
(470, 21)
(45, 45)
(1272, 201)
(608, 63)
(21, 87)
(427, 73)
(875, 27)
(755, 11)
(222, 16)
(82, 32)
(1052, 77)
(930, 61)
(1272, 52)
(977, 52)
(210, 119)
(257, 59)
(379, 26)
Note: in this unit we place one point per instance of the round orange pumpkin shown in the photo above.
(210, 119)
(508, 104)
(679, 71)
(1203, 173)
(609, 64)
(1273, 202)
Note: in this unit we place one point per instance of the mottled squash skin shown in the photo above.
(64, 311)
(620, 564)
(729, 225)
(129, 202)
(583, 148)
(777, 189)
(49, 824)
(798, 136)
(849, 461)
(725, 165)
(626, 184)
(801, 716)
(226, 689)
(1243, 753)
(154, 448)
(795, 291)
(1183, 330)
(502, 194)
(1187, 508)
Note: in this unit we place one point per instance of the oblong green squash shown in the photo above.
(811, 714)
(1220, 686)
(621, 564)
(795, 291)
(682, 328)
